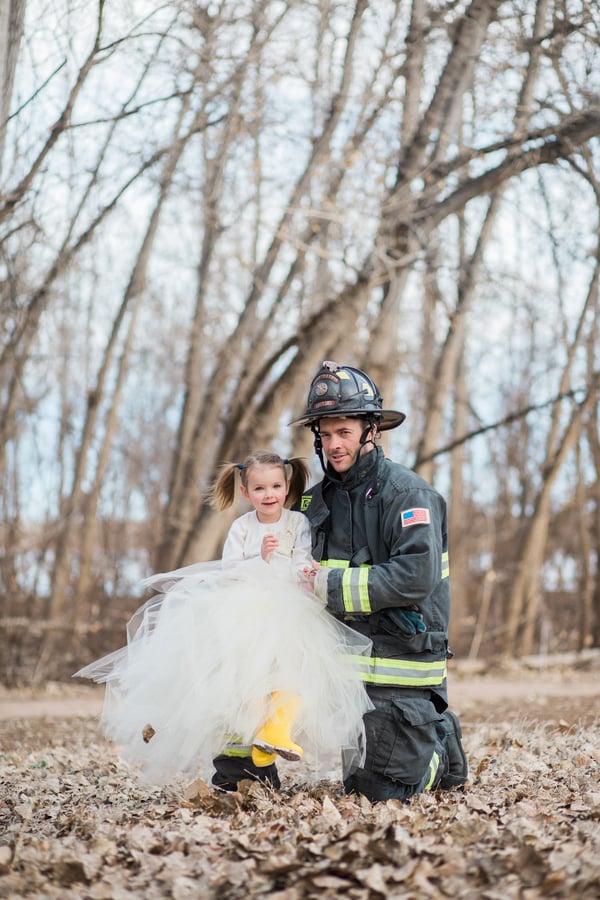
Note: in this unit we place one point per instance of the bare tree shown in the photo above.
(251, 188)
(523, 607)
(11, 30)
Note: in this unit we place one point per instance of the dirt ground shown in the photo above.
(75, 823)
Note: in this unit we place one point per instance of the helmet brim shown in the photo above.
(386, 418)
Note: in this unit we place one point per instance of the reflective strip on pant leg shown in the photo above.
(434, 764)
(235, 748)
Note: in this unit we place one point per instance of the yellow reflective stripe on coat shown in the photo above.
(355, 586)
(355, 590)
(401, 672)
(355, 583)
(445, 565)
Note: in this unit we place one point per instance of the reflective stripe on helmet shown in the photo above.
(400, 672)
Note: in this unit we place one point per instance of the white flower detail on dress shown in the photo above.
(287, 540)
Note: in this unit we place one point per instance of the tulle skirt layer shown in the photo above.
(203, 658)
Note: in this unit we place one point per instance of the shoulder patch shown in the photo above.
(305, 501)
(417, 516)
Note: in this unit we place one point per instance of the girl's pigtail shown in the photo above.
(298, 479)
(222, 493)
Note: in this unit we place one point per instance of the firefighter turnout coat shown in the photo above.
(382, 534)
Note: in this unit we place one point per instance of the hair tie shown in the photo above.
(286, 462)
(240, 466)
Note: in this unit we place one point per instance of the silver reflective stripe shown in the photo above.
(403, 672)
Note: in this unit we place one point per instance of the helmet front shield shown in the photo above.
(340, 391)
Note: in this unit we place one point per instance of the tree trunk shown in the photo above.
(585, 579)
(205, 446)
(12, 13)
(458, 516)
(77, 535)
(523, 606)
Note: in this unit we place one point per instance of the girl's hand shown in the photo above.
(269, 544)
(307, 576)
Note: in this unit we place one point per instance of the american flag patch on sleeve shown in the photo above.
(415, 517)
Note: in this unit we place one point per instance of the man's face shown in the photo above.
(341, 442)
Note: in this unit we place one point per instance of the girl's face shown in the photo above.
(266, 490)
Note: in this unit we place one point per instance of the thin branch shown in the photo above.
(36, 92)
(510, 418)
(57, 129)
(566, 139)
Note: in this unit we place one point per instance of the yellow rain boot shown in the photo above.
(274, 736)
(261, 759)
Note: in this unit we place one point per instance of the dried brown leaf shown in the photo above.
(197, 792)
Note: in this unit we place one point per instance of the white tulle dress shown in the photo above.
(204, 655)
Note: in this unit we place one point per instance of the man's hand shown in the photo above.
(409, 621)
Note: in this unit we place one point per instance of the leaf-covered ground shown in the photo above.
(74, 822)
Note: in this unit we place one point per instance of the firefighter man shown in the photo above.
(380, 540)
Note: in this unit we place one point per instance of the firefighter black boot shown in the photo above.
(450, 734)
(231, 770)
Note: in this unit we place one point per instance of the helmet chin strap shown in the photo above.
(318, 443)
(364, 439)
(369, 427)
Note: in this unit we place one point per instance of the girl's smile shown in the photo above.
(266, 490)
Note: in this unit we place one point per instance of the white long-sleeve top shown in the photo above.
(244, 540)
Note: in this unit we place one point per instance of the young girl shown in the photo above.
(237, 647)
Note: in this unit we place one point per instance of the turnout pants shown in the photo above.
(406, 749)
